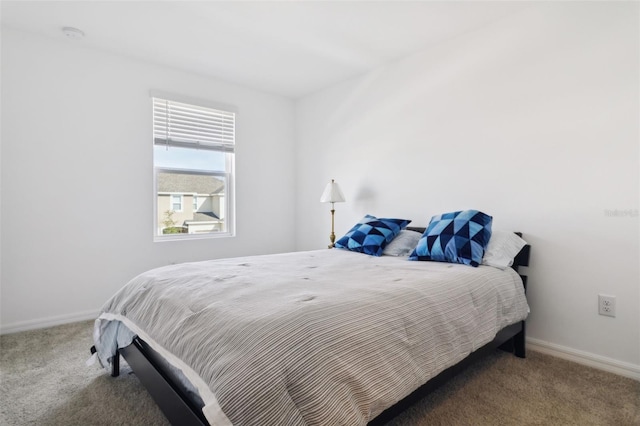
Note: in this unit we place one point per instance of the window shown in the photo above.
(193, 155)
(176, 203)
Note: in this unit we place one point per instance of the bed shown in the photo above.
(321, 337)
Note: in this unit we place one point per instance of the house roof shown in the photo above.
(189, 184)
(204, 216)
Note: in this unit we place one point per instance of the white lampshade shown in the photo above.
(332, 193)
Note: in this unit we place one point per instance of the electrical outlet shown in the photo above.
(607, 305)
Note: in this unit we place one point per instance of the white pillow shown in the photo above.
(502, 248)
(403, 244)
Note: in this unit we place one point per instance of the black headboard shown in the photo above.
(522, 258)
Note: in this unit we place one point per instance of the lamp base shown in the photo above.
(332, 238)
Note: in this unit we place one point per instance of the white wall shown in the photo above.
(77, 153)
(534, 120)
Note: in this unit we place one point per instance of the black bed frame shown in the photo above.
(181, 410)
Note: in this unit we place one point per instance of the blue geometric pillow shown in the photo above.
(371, 235)
(458, 237)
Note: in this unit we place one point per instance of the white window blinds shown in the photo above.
(191, 126)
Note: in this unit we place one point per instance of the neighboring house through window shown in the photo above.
(194, 145)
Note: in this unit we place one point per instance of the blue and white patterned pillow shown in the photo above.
(457, 237)
(371, 235)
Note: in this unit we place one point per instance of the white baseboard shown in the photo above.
(585, 358)
(47, 322)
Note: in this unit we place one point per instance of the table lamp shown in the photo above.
(332, 194)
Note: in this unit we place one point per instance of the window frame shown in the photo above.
(228, 174)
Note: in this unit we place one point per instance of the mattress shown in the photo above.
(320, 337)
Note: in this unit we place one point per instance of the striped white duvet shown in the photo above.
(324, 337)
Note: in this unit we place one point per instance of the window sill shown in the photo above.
(188, 237)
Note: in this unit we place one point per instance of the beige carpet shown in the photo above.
(44, 381)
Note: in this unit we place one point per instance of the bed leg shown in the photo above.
(115, 365)
(507, 346)
(519, 343)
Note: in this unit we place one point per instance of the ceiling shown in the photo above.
(290, 48)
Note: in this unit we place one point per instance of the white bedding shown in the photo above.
(323, 337)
